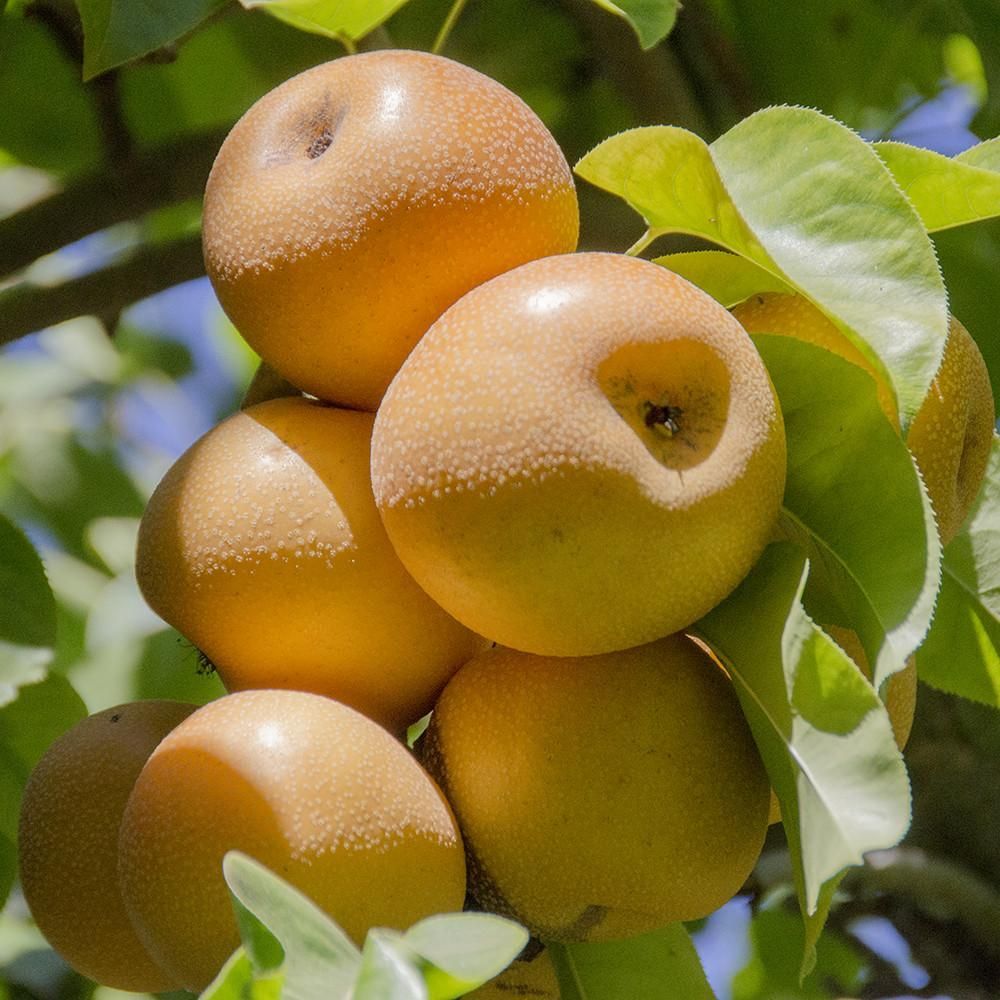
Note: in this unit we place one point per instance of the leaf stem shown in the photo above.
(449, 22)
(642, 243)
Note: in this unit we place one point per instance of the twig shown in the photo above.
(25, 308)
(653, 82)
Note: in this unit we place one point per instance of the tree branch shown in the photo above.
(25, 308)
(156, 178)
(939, 887)
(653, 82)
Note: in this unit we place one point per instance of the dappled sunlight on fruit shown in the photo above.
(262, 545)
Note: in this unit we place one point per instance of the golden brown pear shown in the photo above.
(68, 842)
(262, 545)
(312, 789)
(602, 796)
(350, 206)
(581, 455)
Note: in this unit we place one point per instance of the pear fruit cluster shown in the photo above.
(510, 477)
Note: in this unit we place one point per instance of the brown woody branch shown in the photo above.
(151, 180)
(25, 307)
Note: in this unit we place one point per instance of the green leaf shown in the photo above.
(773, 970)
(8, 867)
(118, 31)
(461, 951)
(809, 202)
(985, 155)
(825, 737)
(320, 960)
(651, 20)
(662, 965)
(962, 651)
(871, 538)
(727, 277)
(28, 609)
(49, 119)
(350, 19)
(238, 981)
(387, 970)
(945, 191)
(218, 73)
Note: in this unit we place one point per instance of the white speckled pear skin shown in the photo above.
(353, 204)
(581, 455)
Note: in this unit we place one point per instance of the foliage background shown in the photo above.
(117, 357)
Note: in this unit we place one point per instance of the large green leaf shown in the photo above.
(118, 31)
(662, 965)
(808, 201)
(946, 191)
(27, 612)
(962, 651)
(49, 119)
(727, 277)
(985, 155)
(651, 20)
(825, 737)
(319, 959)
(348, 19)
(871, 538)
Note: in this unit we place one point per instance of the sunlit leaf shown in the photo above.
(808, 201)
(662, 965)
(351, 19)
(237, 981)
(118, 31)
(387, 970)
(945, 191)
(985, 155)
(320, 960)
(962, 651)
(460, 951)
(651, 20)
(825, 737)
(727, 277)
(871, 538)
